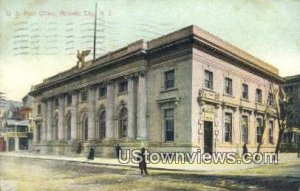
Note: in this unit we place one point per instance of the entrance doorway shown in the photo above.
(11, 144)
(23, 144)
(208, 137)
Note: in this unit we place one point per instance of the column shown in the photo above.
(61, 118)
(251, 129)
(91, 114)
(236, 136)
(16, 143)
(74, 116)
(35, 132)
(131, 109)
(110, 111)
(218, 131)
(44, 121)
(49, 120)
(142, 101)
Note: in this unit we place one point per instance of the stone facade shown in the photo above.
(167, 94)
(291, 136)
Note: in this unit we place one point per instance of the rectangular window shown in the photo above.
(271, 99)
(208, 79)
(123, 86)
(56, 103)
(39, 109)
(84, 96)
(258, 130)
(228, 86)
(271, 129)
(169, 124)
(245, 91)
(169, 79)
(69, 100)
(228, 127)
(102, 91)
(258, 96)
(244, 128)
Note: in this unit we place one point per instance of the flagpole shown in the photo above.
(95, 33)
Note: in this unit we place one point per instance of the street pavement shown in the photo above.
(205, 168)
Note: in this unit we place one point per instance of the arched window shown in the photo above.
(123, 122)
(85, 127)
(69, 128)
(102, 126)
(55, 127)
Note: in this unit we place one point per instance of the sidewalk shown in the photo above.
(207, 168)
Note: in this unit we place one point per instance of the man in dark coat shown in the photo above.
(142, 164)
(78, 148)
(118, 150)
(245, 150)
(91, 153)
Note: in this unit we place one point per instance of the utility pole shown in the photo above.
(95, 33)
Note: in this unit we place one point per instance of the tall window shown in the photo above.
(169, 79)
(123, 122)
(169, 124)
(56, 127)
(244, 128)
(258, 96)
(245, 91)
(69, 100)
(102, 91)
(69, 128)
(228, 127)
(271, 130)
(271, 99)
(258, 130)
(56, 103)
(228, 86)
(39, 110)
(208, 79)
(102, 126)
(123, 86)
(84, 96)
(85, 128)
(38, 133)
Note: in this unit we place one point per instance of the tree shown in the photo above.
(270, 98)
(1, 95)
(285, 116)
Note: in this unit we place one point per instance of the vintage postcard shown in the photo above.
(149, 95)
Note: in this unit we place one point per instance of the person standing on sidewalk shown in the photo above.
(78, 148)
(91, 153)
(118, 150)
(142, 163)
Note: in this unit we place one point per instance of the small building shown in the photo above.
(5, 107)
(16, 135)
(17, 126)
(291, 137)
(181, 92)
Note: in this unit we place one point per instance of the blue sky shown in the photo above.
(40, 38)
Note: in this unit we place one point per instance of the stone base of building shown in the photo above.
(107, 148)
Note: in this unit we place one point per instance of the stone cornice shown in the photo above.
(142, 50)
(292, 79)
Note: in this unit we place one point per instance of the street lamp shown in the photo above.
(298, 145)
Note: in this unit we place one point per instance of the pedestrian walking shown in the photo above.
(118, 151)
(78, 148)
(142, 163)
(91, 153)
(245, 150)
